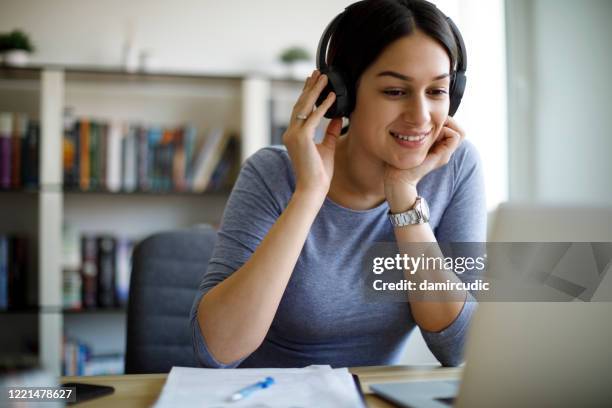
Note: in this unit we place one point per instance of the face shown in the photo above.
(402, 101)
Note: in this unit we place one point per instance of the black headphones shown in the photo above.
(343, 104)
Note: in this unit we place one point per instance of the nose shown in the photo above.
(416, 111)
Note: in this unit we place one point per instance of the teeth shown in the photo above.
(409, 138)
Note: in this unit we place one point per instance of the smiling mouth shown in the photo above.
(410, 138)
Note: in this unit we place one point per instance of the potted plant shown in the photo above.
(15, 48)
(296, 58)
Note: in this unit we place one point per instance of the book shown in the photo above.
(113, 158)
(72, 283)
(227, 168)
(166, 160)
(30, 159)
(89, 270)
(20, 123)
(106, 270)
(6, 135)
(4, 262)
(129, 158)
(178, 161)
(84, 169)
(94, 155)
(102, 155)
(17, 271)
(70, 150)
(149, 158)
(208, 157)
(189, 142)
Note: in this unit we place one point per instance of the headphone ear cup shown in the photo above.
(456, 93)
(335, 83)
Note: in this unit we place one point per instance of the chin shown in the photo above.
(407, 162)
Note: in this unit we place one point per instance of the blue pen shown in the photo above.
(246, 391)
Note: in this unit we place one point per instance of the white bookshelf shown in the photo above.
(238, 104)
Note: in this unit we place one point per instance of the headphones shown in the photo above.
(343, 105)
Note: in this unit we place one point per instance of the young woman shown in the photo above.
(281, 289)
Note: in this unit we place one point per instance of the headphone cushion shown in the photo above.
(456, 94)
(342, 105)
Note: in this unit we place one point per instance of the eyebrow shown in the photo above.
(407, 78)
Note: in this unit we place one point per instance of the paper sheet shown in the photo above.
(314, 386)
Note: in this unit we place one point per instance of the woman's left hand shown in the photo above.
(400, 185)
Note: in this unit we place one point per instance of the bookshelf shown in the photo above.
(244, 105)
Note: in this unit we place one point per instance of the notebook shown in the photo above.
(320, 386)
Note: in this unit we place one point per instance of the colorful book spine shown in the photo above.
(84, 169)
(178, 161)
(30, 162)
(70, 150)
(20, 124)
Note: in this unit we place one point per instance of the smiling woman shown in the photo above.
(282, 287)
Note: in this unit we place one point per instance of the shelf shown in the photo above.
(23, 190)
(148, 193)
(21, 73)
(106, 310)
(33, 72)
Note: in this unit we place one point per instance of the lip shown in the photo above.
(411, 144)
(411, 132)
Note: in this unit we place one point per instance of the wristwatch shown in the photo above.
(418, 214)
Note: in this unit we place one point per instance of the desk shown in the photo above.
(141, 390)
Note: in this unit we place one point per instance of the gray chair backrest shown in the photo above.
(166, 271)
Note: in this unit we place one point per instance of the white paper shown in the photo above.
(314, 386)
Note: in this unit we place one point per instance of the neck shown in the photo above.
(358, 176)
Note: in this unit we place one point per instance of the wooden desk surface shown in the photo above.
(141, 390)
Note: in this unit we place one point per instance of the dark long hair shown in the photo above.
(369, 26)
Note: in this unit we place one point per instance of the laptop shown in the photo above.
(531, 353)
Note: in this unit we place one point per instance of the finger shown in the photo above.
(442, 150)
(309, 97)
(453, 124)
(299, 107)
(315, 117)
(308, 81)
(332, 133)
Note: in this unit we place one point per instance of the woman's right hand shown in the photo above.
(313, 163)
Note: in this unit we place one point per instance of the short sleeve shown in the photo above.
(260, 194)
(464, 220)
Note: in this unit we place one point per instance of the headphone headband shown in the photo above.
(324, 42)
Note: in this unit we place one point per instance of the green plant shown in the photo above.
(294, 54)
(15, 40)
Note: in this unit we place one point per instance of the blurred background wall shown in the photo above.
(560, 101)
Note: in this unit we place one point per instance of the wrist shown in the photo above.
(401, 197)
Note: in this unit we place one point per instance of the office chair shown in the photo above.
(166, 271)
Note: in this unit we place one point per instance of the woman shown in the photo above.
(280, 289)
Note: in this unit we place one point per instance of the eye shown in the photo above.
(394, 92)
(438, 92)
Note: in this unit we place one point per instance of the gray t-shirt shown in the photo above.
(323, 318)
